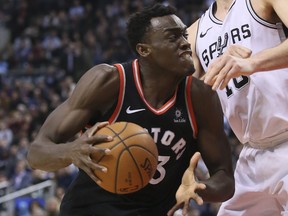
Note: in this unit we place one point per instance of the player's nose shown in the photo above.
(185, 45)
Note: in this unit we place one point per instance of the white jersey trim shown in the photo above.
(257, 18)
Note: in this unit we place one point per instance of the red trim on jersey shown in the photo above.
(137, 79)
(121, 93)
(190, 107)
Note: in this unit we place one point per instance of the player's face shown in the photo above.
(170, 49)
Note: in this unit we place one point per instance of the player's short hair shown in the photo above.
(139, 22)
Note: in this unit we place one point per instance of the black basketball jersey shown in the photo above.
(174, 130)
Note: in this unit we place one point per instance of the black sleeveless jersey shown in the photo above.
(174, 130)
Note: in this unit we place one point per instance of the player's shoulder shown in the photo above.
(269, 10)
(192, 29)
(101, 70)
(96, 80)
(192, 33)
(200, 88)
(97, 89)
(206, 103)
(99, 74)
(193, 26)
(202, 94)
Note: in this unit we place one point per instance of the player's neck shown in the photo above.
(221, 8)
(158, 87)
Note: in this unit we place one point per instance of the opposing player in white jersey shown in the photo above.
(241, 46)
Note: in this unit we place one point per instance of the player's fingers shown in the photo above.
(100, 138)
(93, 176)
(203, 77)
(208, 79)
(96, 152)
(213, 70)
(199, 200)
(213, 79)
(225, 82)
(186, 208)
(216, 84)
(87, 165)
(240, 51)
(91, 131)
(221, 76)
(174, 209)
(94, 166)
(201, 186)
(194, 161)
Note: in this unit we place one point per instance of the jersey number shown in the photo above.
(238, 82)
(162, 161)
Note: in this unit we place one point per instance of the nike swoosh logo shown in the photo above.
(131, 111)
(203, 34)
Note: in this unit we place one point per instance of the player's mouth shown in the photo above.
(186, 53)
(186, 56)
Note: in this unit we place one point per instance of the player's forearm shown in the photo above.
(270, 59)
(48, 157)
(219, 187)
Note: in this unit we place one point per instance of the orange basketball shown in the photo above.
(133, 159)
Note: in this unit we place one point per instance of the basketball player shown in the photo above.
(156, 91)
(242, 47)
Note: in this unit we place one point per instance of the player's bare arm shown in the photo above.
(229, 66)
(215, 151)
(94, 94)
(192, 31)
(213, 144)
(273, 11)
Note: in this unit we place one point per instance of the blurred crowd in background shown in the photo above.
(45, 46)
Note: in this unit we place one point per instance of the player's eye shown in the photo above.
(172, 37)
(185, 35)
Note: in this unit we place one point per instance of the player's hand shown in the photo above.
(84, 147)
(233, 63)
(186, 190)
(238, 51)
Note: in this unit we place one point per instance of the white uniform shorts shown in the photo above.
(261, 178)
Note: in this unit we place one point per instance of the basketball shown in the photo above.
(133, 159)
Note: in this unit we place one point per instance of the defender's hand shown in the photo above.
(186, 190)
(233, 63)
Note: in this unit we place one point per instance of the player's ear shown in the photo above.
(143, 49)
